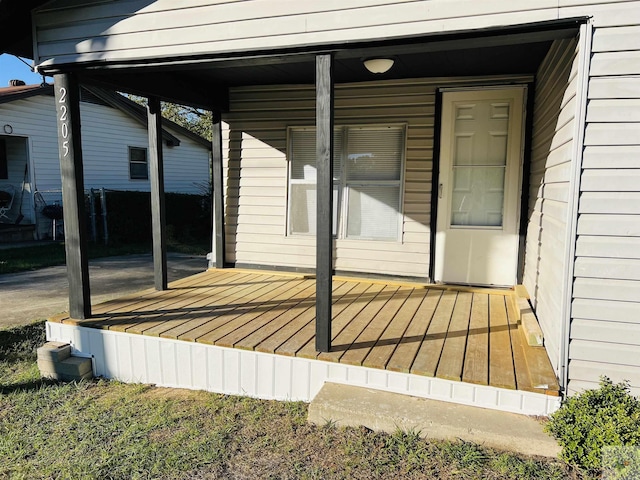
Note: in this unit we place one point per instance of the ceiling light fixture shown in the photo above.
(378, 65)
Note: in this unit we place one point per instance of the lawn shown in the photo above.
(106, 429)
(21, 259)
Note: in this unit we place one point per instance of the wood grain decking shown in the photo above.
(469, 335)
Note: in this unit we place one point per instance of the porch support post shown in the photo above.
(324, 190)
(217, 193)
(67, 98)
(156, 168)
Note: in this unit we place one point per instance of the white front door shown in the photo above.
(479, 187)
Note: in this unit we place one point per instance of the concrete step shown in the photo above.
(54, 352)
(56, 362)
(383, 411)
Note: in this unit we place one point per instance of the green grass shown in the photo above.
(105, 429)
(13, 260)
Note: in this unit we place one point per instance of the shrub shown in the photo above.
(604, 417)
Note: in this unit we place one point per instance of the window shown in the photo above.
(4, 164)
(367, 172)
(138, 164)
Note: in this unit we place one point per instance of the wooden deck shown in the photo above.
(460, 334)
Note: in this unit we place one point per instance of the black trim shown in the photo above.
(526, 180)
(258, 56)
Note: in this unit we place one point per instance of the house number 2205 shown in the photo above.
(64, 127)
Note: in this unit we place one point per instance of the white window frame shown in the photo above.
(130, 161)
(342, 208)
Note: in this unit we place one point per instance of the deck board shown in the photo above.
(523, 378)
(427, 358)
(476, 359)
(461, 334)
(252, 333)
(297, 332)
(253, 304)
(452, 357)
(303, 343)
(500, 352)
(214, 296)
(393, 335)
(355, 327)
(368, 338)
(406, 352)
(177, 313)
(225, 310)
(339, 321)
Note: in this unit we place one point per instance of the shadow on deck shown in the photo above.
(459, 334)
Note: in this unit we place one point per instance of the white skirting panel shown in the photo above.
(174, 363)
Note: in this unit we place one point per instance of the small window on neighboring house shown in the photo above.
(138, 169)
(4, 170)
(367, 175)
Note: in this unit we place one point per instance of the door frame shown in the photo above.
(522, 181)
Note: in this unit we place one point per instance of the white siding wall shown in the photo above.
(123, 30)
(605, 330)
(552, 150)
(606, 304)
(106, 135)
(256, 174)
(31, 123)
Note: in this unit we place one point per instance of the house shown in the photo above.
(489, 144)
(115, 148)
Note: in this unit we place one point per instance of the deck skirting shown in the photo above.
(179, 364)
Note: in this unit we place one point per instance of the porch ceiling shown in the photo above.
(199, 81)
(469, 336)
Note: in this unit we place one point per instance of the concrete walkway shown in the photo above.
(29, 296)
(346, 405)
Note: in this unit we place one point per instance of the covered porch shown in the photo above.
(288, 195)
(253, 332)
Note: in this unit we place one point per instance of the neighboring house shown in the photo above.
(502, 147)
(114, 142)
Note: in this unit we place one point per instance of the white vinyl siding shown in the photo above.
(256, 172)
(605, 329)
(256, 176)
(121, 30)
(552, 148)
(106, 134)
